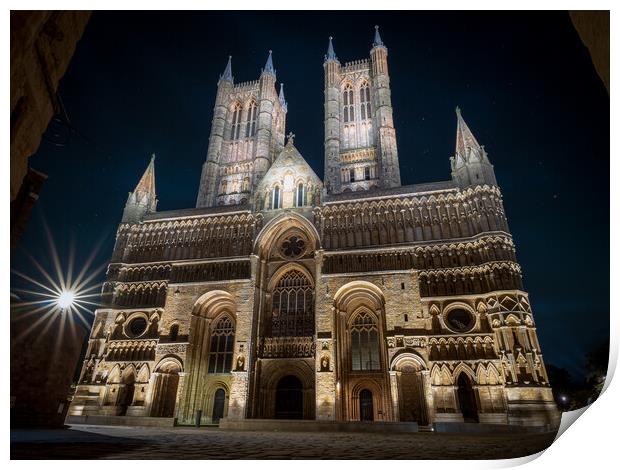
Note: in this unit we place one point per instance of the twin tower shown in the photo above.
(249, 120)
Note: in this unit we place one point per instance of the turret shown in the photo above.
(331, 67)
(208, 179)
(383, 118)
(267, 98)
(143, 199)
(470, 163)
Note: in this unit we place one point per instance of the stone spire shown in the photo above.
(227, 75)
(464, 137)
(377, 42)
(269, 66)
(146, 184)
(282, 99)
(331, 55)
(143, 199)
(470, 163)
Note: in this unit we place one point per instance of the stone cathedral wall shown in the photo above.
(425, 255)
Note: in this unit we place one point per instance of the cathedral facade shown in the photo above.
(284, 296)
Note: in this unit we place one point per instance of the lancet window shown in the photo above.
(365, 343)
(236, 122)
(221, 346)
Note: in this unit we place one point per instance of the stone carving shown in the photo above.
(301, 346)
(178, 348)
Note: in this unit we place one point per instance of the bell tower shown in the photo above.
(360, 139)
(247, 133)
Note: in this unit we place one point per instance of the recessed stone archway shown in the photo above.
(409, 381)
(272, 373)
(165, 385)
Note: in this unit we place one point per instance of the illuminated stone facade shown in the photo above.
(360, 299)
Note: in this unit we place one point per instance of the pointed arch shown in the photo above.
(276, 227)
(465, 369)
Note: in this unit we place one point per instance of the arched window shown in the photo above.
(367, 173)
(223, 186)
(174, 332)
(221, 347)
(250, 128)
(276, 197)
(236, 122)
(365, 101)
(365, 343)
(347, 99)
(246, 184)
(292, 310)
(352, 175)
(300, 194)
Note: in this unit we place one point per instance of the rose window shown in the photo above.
(293, 247)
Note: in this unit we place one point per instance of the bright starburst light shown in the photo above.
(47, 297)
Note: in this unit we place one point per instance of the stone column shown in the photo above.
(180, 389)
(428, 404)
(151, 395)
(394, 387)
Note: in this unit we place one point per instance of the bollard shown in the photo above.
(198, 418)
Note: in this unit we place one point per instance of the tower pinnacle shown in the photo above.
(269, 66)
(331, 55)
(227, 75)
(377, 42)
(282, 99)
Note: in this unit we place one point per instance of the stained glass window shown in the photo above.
(365, 343)
(221, 348)
(292, 306)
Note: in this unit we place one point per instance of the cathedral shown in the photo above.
(347, 299)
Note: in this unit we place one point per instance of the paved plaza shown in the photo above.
(98, 442)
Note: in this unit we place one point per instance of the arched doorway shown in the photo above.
(467, 399)
(125, 398)
(410, 397)
(366, 408)
(166, 385)
(219, 400)
(289, 398)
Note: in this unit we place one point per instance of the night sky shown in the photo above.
(142, 83)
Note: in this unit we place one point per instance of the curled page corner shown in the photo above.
(568, 418)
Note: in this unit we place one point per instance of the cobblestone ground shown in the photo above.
(94, 442)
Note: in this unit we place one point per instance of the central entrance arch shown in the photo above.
(289, 398)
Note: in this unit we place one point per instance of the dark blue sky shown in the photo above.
(145, 82)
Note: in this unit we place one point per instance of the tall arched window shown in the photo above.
(365, 101)
(223, 186)
(348, 103)
(250, 128)
(292, 310)
(365, 343)
(221, 347)
(246, 184)
(276, 198)
(300, 194)
(236, 122)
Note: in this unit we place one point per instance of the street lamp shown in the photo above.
(65, 299)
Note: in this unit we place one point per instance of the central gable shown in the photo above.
(289, 182)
